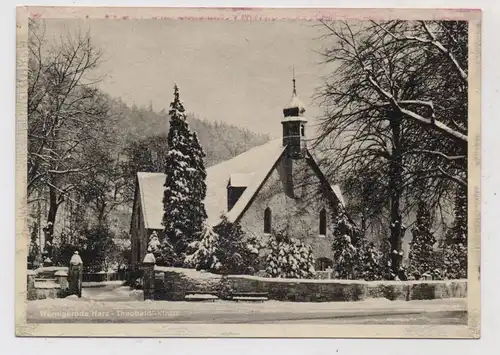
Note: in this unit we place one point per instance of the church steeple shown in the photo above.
(295, 107)
(294, 124)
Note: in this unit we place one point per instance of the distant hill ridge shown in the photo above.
(221, 141)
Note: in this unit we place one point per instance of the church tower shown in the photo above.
(294, 126)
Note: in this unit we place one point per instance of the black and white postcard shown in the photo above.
(248, 172)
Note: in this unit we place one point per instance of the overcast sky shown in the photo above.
(234, 71)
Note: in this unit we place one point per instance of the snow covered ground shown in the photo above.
(120, 304)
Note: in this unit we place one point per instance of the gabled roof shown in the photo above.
(250, 167)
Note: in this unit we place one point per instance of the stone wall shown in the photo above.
(344, 290)
(173, 283)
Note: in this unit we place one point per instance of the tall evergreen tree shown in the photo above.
(185, 189)
(345, 235)
(198, 187)
(422, 245)
(455, 250)
(458, 231)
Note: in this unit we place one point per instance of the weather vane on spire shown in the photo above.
(293, 79)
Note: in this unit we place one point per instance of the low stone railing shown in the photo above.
(328, 290)
(167, 283)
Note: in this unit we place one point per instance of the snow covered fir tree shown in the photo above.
(185, 189)
(421, 261)
(455, 248)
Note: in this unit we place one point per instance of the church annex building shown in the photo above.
(277, 185)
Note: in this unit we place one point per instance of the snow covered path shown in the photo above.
(121, 305)
(112, 291)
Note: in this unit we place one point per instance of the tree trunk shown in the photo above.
(395, 181)
(48, 230)
(101, 213)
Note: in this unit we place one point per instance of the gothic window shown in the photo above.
(322, 222)
(302, 130)
(267, 220)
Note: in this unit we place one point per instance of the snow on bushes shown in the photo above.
(289, 258)
(422, 261)
(355, 257)
(202, 253)
(345, 256)
(371, 261)
(224, 249)
(162, 250)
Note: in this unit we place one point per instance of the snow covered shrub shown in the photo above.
(202, 252)
(370, 261)
(345, 256)
(224, 249)
(355, 257)
(421, 262)
(343, 225)
(162, 250)
(238, 252)
(289, 258)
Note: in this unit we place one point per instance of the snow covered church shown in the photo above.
(275, 186)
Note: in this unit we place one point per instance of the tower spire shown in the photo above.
(294, 124)
(295, 108)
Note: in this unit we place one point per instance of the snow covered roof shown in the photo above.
(248, 169)
(338, 193)
(241, 179)
(296, 103)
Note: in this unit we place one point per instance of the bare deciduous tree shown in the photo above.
(67, 117)
(395, 117)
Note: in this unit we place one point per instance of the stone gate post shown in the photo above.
(75, 275)
(148, 267)
(62, 280)
(31, 285)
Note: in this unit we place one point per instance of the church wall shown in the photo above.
(138, 231)
(294, 195)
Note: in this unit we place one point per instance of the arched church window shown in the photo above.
(322, 222)
(267, 220)
(302, 130)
